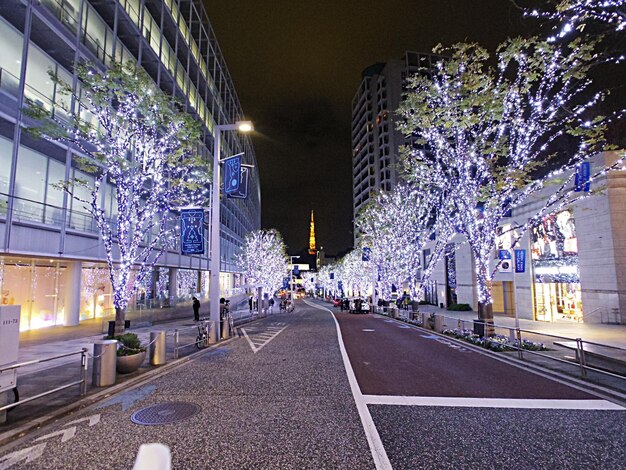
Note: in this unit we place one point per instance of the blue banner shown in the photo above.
(367, 253)
(504, 254)
(581, 178)
(242, 192)
(232, 174)
(296, 270)
(332, 275)
(520, 261)
(192, 231)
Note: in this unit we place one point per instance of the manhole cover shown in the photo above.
(164, 413)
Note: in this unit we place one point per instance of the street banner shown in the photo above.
(520, 261)
(244, 177)
(232, 174)
(192, 231)
(504, 254)
(296, 270)
(367, 253)
(581, 177)
(332, 275)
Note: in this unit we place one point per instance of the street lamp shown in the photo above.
(214, 279)
(291, 258)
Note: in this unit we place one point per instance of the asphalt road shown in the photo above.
(304, 390)
(437, 404)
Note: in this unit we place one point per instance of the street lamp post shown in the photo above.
(214, 279)
(291, 258)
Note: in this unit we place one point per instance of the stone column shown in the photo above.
(173, 285)
(72, 293)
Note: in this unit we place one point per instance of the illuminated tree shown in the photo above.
(483, 135)
(133, 140)
(354, 273)
(574, 15)
(396, 226)
(263, 259)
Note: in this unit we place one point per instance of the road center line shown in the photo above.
(553, 404)
(373, 438)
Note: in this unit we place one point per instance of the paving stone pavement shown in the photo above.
(288, 405)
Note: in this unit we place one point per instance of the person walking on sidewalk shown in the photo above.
(250, 303)
(196, 309)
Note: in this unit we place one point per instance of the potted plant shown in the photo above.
(130, 353)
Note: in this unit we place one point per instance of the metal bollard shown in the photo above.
(104, 362)
(157, 348)
(225, 328)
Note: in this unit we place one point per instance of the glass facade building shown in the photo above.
(51, 258)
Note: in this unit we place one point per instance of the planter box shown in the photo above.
(128, 364)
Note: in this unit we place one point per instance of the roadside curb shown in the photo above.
(589, 387)
(84, 402)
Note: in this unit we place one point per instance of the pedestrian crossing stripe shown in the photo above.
(258, 341)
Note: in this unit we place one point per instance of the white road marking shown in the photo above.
(368, 329)
(66, 434)
(27, 455)
(256, 346)
(30, 454)
(493, 402)
(373, 438)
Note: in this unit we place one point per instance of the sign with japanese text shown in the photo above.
(520, 261)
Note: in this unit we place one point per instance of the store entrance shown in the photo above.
(558, 301)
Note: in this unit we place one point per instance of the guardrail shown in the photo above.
(202, 330)
(83, 384)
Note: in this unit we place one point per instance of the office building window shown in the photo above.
(30, 185)
(10, 58)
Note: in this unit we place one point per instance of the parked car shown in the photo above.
(359, 305)
(337, 302)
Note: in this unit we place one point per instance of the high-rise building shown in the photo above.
(51, 257)
(375, 140)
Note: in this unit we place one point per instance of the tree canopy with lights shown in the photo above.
(572, 15)
(396, 226)
(132, 139)
(488, 137)
(263, 260)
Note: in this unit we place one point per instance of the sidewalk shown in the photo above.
(611, 335)
(38, 378)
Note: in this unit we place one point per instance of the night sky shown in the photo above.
(296, 67)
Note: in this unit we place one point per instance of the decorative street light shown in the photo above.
(214, 280)
(293, 280)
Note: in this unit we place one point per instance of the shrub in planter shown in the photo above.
(460, 307)
(130, 353)
(130, 344)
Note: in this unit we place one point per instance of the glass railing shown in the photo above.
(9, 83)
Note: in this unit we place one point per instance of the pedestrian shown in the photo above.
(250, 303)
(196, 309)
(271, 305)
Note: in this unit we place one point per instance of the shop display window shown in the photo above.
(554, 249)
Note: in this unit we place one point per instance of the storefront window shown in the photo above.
(96, 298)
(37, 286)
(554, 248)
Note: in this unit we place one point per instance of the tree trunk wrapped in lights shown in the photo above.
(131, 135)
(483, 134)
